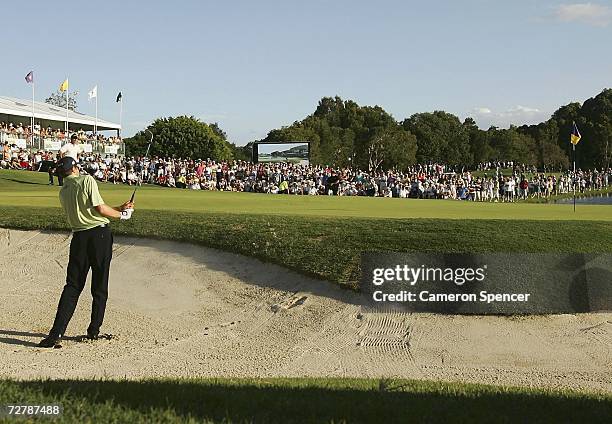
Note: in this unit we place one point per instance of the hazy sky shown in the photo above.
(257, 65)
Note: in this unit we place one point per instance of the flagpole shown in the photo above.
(575, 179)
(67, 87)
(32, 127)
(96, 122)
(120, 115)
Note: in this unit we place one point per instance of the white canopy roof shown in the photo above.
(17, 110)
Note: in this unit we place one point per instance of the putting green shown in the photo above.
(21, 188)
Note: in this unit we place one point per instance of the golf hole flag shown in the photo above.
(30, 77)
(64, 86)
(575, 137)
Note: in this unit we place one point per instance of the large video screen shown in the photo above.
(295, 152)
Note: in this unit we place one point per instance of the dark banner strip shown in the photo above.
(488, 283)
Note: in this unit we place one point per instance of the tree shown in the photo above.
(480, 150)
(549, 154)
(594, 120)
(181, 137)
(58, 99)
(595, 124)
(553, 157)
(242, 152)
(510, 144)
(217, 130)
(440, 138)
(391, 148)
(342, 133)
(238, 152)
(563, 117)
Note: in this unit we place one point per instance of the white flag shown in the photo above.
(93, 93)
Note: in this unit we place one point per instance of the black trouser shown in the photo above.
(51, 172)
(88, 249)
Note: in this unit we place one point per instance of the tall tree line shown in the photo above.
(342, 133)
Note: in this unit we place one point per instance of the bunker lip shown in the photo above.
(180, 310)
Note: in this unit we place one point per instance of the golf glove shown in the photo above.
(126, 214)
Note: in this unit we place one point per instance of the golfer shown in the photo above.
(91, 247)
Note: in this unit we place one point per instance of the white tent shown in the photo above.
(45, 115)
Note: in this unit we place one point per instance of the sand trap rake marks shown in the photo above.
(385, 332)
(11, 245)
(48, 249)
(600, 333)
(119, 250)
(5, 235)
(338, 333)
(58, 245)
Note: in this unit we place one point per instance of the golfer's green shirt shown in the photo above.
(79, 196)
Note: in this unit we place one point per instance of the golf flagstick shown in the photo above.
(141, 171)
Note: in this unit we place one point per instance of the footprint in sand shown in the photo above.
(291, 303)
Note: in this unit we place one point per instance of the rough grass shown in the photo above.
(304, 400)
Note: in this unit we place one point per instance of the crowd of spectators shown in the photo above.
(11, 132)
(435, 181)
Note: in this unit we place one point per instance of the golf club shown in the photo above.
(146, 154)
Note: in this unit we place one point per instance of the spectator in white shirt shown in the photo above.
(72, 149)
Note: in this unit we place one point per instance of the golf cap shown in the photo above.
(66, 164)
(74, 137)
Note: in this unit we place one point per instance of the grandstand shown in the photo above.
(49, 124)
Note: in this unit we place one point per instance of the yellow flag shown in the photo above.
(575, 137)
(64, 85)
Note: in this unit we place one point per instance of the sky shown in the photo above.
(253, 66)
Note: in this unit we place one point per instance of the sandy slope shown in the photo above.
(184, 311)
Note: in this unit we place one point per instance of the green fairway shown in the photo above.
(305, 400)
(21, 188)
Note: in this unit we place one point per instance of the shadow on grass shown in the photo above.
(324, 401)
(23, 181)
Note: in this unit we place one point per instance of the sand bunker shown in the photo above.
(178, 310)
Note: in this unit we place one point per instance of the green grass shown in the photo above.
(305, 400)
(20, 188)
(326, 247)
